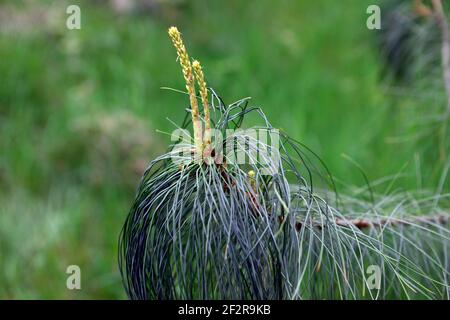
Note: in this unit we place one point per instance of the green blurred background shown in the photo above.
(79, 111)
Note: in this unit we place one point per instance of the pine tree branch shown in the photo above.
(441, 218)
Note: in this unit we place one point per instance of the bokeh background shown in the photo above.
(80, 109)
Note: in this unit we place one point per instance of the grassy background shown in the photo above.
(79, 112)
